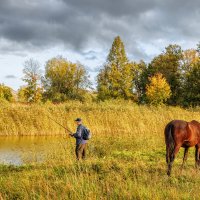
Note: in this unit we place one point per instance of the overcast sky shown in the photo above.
(83, 30)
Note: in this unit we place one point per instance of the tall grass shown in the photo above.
(126, 155)
(115, 117)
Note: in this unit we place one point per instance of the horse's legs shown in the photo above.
(167, 154)
(185, 156)
(197, 155)
(172, 157)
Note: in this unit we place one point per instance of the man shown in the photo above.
(80, 142)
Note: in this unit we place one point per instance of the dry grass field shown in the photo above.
(126, 156)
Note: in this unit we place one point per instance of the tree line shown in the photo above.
(172, 77)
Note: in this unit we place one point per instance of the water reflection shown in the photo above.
(20, 150)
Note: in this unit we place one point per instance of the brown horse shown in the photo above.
(184, 134)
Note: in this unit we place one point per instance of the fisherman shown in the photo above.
(82, 135)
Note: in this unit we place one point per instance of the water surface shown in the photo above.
(23, 150)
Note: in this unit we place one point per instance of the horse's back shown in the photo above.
(195, 123)
(176, 124)
(173, 129)
(181, 124)
(177, 129)
(184, 133)
(194, 128)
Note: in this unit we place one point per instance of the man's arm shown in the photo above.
(78, 133)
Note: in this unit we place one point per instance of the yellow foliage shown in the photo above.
(158, 91)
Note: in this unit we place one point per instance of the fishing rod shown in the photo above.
(60, 124)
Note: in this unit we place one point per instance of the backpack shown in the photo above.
(86, 134)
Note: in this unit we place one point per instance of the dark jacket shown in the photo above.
(79, 135)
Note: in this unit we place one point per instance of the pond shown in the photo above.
(23, 150)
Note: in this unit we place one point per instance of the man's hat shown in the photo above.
(78, 120)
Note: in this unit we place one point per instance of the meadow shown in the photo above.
(126, 156)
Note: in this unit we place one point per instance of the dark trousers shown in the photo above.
(80, 151)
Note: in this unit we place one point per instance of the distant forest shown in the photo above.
(171, 78)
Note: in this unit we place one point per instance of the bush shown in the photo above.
(6, 93)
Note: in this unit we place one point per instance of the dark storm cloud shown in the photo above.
(90, 24)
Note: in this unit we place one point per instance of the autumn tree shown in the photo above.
(6, 93)
(189, 63)
(140, 79)
(190, 59)
(21, 94)
(65, 80)
(168, 64)
(158, 90)
(192, 86)
(115, 80)
(32, 76)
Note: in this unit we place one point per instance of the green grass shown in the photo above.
(126, 157)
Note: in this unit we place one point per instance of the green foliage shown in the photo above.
(65, 80)
(115, 80)
(6, 93)
(190, 58)
(158, 90)
(21, 94)
(32, 75)
(169, 65)
(140, 80)
(27, 94)
(192, 86)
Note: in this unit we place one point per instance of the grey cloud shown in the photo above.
(89, 55)
(87, 24)
(10, 77)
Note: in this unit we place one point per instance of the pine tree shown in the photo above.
(115, 80)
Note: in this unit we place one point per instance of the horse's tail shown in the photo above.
(169, 140)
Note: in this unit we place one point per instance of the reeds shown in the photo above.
(113, 117)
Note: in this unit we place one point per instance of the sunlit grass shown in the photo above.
(126, 156)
